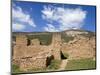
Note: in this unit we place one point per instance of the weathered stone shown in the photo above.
(56, 43)
(35, 42)
(29, 63)
(34, 55)
(80, 47)
(21, 40)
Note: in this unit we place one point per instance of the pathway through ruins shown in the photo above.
(63, 64)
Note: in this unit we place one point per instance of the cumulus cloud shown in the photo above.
(67, 18)
(22, 18)
(50, 28)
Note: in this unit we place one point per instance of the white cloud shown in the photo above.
(50, 28)
(18, 27)
(67, 18)
(21, 17)
(48, 12)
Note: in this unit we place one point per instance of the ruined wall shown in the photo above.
(56, 44)
(22, 49)
(35, 42)
(19, 50)
(21, 40)
(80, 47)
(32, 55)
(32, 63)
(37, 61)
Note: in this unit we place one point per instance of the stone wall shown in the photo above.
(22, 49)
(21, 40)
(32, 63)
(80, 47)
(35, 42)
(19, 51)
(56, 44)
(30, 54)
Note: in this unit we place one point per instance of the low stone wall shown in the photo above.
(30, 63)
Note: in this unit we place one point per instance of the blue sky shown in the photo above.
(51, 17)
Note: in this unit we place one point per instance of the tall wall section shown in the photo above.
(56, 43)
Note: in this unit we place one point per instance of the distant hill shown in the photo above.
(70, 32)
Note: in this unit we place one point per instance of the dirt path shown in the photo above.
(63, 64)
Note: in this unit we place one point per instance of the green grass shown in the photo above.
(80, 64)
(37, 70)
(55, 64)
(45, 39)
(15, 68)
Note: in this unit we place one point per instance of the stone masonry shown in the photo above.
(56, 43)
(34, 55)
(29, 54)
(80, 47)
